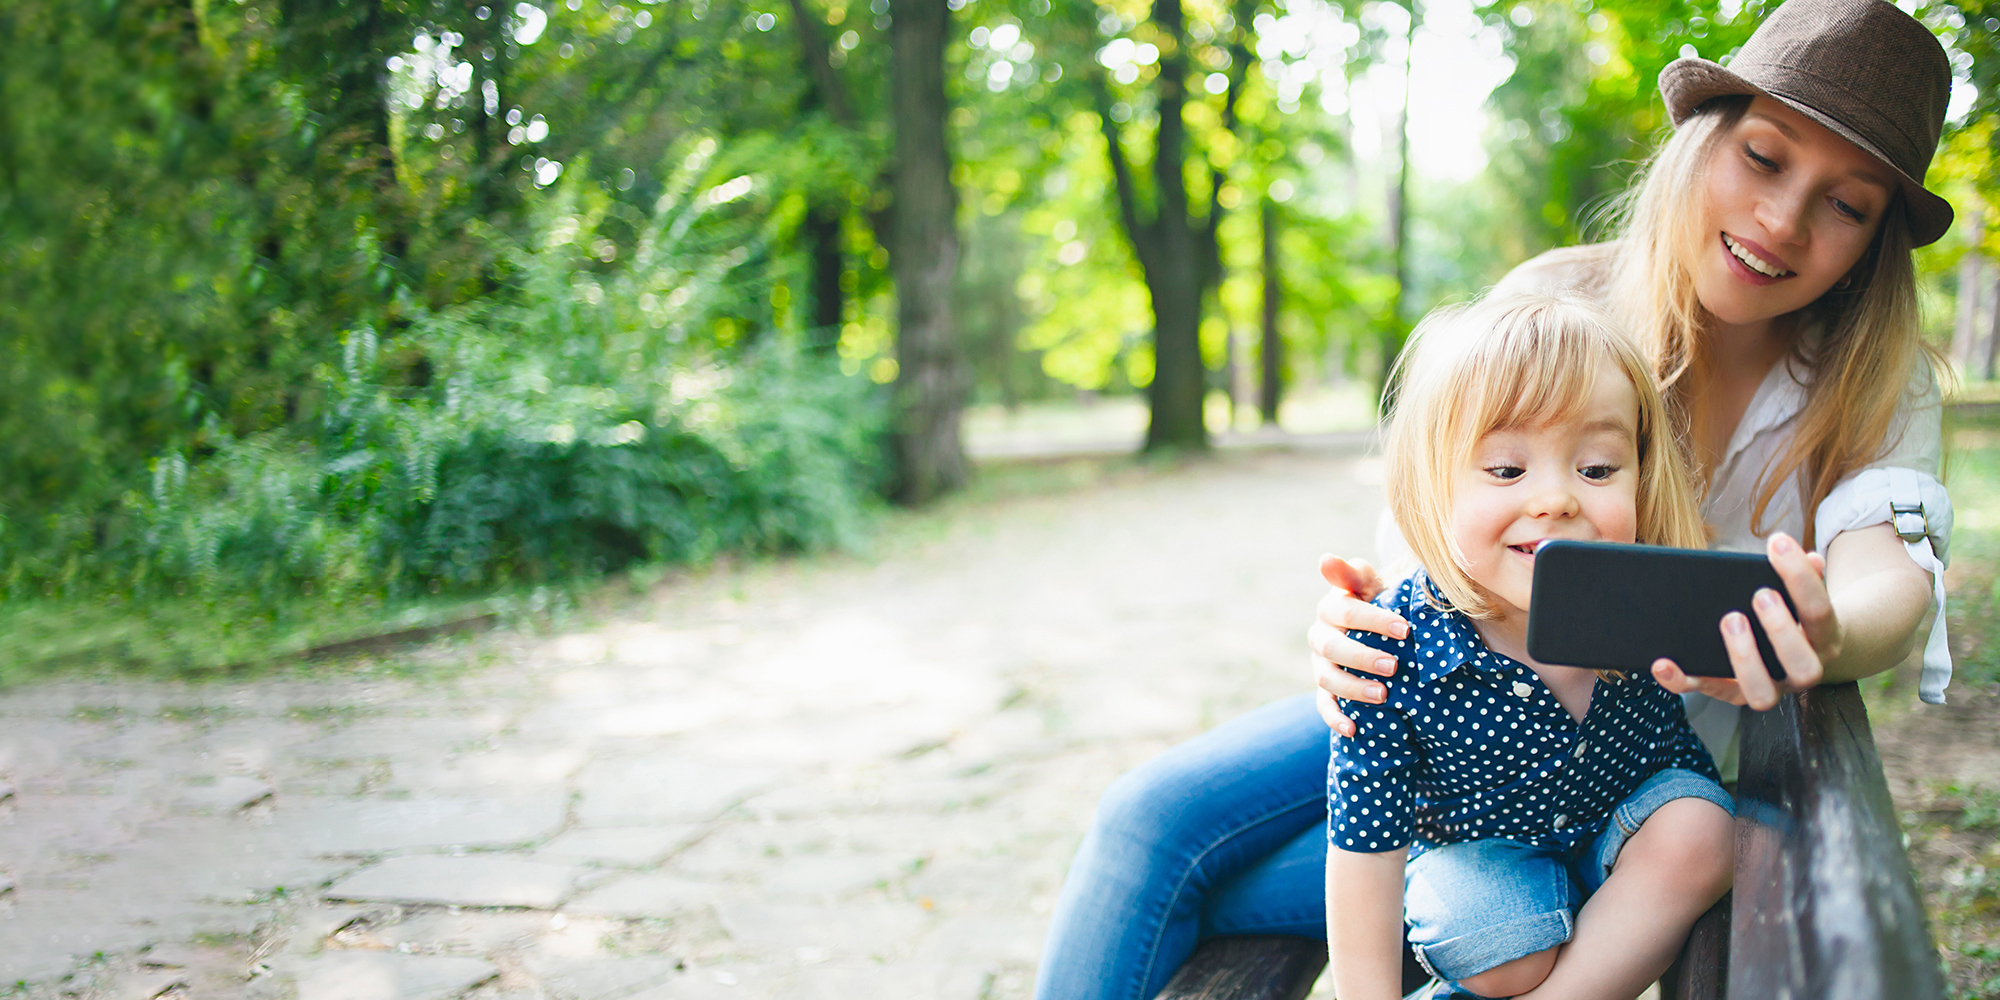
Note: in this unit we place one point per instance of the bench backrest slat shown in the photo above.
(1826, 907)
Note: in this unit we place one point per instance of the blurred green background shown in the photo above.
(324, 319)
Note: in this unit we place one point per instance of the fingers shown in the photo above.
(1352, 576)
(1344, 611)
(1759, 691)
(1333, 646)
(1343, 684)
(1804, 574)
(1329, 710)
(1788, 639)
(1673, 678)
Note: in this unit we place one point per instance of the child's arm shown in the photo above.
(1364, 927)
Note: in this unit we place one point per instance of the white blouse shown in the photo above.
(1901, 487)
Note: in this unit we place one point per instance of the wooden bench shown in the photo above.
(1824, 907)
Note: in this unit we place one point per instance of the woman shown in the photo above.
(1766, 260)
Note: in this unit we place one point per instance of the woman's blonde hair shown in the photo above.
(1860, 366)
(1506, 362)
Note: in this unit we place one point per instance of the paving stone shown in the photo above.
(227, 795)
(1002, 935)
(664, 787)
(845, 930)
(364, 975)
(469, 932)
(146, 984)
(830, 877)
(517, 768)
(312, 925)
(367, 826)
(631, 846)
(601, 978)
(471, 880)
(44, 936)
(636, 897)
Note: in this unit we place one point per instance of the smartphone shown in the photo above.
(1606, 606)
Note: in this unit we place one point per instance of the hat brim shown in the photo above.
(1687, 83)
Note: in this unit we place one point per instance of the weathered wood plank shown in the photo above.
(1265, 967)
(1702, 970)
(1825, 907)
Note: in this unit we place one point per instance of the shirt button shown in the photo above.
(1562, 822)
(1522, 690)
(1578, 752)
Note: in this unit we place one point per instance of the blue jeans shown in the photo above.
(1223, 834)
(1477, 904)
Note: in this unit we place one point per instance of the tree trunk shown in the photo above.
(821, 227)
(486, 108)
(1965, 332)
(829, 304)
(1993, 333)
(1175, 278)
(1394, 330)
(923, 258)
(1272, 345)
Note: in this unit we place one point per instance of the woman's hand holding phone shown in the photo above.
(1346, 608)
(1803, 644)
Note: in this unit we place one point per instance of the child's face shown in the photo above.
(1576, 480)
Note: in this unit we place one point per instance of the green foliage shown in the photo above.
(580, 419)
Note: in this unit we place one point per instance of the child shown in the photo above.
(1490, 794)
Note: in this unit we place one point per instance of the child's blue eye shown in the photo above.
(1599, 472)
(1505, 471)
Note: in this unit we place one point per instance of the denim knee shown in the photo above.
(1627, 816)
(1480, 904)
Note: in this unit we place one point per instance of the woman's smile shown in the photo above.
(1763, 266)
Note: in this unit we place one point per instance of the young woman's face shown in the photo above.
(1790, 208)
(1576, 480)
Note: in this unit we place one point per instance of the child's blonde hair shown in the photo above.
(1506, 362)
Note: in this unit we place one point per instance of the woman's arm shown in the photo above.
(1879, 597)
(1364, 923)
(1859, 609)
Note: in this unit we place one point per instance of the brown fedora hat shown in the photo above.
(1862, 68)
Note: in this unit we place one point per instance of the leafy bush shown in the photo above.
(581, 418)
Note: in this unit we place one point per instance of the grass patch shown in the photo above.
(1973, 474)
(197, 638)
(1954, 836)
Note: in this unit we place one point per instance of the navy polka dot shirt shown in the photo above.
(1472, 745)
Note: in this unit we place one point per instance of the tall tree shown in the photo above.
(923, 254)
(1272, 346)
(821, 227)
(1172, 245)
(1395, 327)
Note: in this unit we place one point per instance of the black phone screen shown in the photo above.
(1606, 606)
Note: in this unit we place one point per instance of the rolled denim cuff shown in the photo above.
(1471, 954)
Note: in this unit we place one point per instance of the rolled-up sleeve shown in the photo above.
(1902, 489)
(1370, 797)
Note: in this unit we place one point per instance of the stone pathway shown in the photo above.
(854, 777)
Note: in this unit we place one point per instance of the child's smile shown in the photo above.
(1574, 479)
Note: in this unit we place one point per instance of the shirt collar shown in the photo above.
(1443, 641)
(1779, 397)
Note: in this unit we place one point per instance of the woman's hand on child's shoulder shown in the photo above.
(1346, 608)
(1803, 644)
